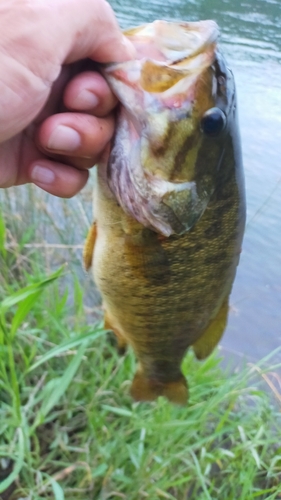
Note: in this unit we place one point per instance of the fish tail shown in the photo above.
(145, 389)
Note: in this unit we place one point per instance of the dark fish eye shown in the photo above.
(213, 122)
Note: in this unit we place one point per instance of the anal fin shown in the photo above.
(121, 341)
(213, 333)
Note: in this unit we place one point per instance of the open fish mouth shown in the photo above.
(163, 162)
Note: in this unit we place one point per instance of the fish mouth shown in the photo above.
(157, 92)
(173, 42)
(167, 53)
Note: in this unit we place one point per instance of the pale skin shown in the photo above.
(56, 112)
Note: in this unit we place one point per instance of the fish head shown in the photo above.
(176, 98)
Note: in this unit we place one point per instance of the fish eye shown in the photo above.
(213, 122)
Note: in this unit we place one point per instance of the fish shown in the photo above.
(169, 203)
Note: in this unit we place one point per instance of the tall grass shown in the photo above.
(68, 428)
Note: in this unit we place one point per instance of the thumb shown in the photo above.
(91, 30)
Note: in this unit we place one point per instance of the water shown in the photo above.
(251, 41)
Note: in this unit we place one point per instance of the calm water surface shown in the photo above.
(251, 41)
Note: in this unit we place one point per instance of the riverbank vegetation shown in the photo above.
(68, 427)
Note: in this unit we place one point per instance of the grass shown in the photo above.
(68, 427)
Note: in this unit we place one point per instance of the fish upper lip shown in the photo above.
(171, 39)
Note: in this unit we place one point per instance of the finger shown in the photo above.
(57, 178)
(54, 177)
(89, 29)
(54, 103)
(89, 92)
(102, 39)
(75, 135)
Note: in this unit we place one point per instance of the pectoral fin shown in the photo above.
(89, 246)
(213, 333)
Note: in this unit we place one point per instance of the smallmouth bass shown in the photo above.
(169, 203)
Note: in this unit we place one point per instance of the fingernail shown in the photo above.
(42, 175)
(64, 138)
(85, 100)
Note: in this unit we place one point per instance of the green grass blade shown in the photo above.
(66, 346)
(22, 311)
(2, 236)
(200, 476)
(118, 411)
(262, 492)
(27, 291)
(62, 383)
(4, 485)
(57, 490)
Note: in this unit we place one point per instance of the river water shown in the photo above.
(251, 42)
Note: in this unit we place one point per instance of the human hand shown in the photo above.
(40, 44)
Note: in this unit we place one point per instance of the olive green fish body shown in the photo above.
(165, 267)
